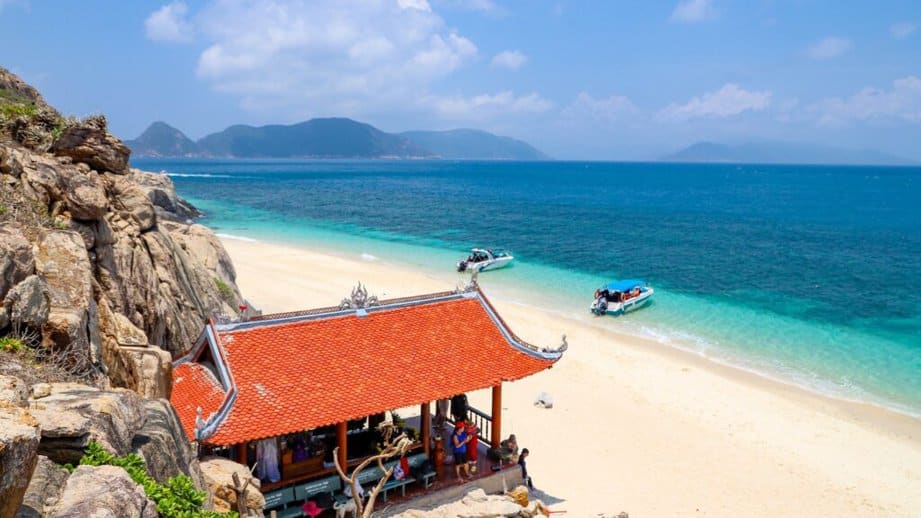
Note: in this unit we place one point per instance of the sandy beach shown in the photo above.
(641, 427)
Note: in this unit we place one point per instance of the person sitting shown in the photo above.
(524, 467)
(508, 449)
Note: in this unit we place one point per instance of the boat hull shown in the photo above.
(484, 266)
(620, 308)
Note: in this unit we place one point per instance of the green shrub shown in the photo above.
(225, 289)
(11, 344)
(178, 498)
(13, 110)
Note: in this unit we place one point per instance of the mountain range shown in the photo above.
(330, 138)
(782, 153)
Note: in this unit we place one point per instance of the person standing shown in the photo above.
(472, 446)
(524, 467)
(459, 442)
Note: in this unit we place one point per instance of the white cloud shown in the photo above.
(828, 48)
(728, 101)
(692, 11)
(488, 105)
(613, 108)
(485, 6)
(305, 58)
(902, 102)
(902, 30)
(169, 23)
(510, 59)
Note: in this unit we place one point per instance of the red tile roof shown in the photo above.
(197, 387)
(316, 370)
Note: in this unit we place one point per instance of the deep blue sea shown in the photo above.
(807, 274)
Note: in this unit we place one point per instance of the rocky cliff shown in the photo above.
(104, 279)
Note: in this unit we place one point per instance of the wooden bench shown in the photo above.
(417, 460)
(308, 490)
(394, 483)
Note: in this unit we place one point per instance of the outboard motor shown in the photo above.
(601, 305)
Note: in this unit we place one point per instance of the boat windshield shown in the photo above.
(499, 253)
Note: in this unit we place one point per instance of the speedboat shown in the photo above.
(619, 297)
(482, 259)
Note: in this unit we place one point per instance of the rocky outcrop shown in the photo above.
(19, 438)
(90, 143)
(102, 264)
(162, 193)
(102, 491)
(218, 475)
(163, 445)
(44, 489)
(16, 262)
(72, 415)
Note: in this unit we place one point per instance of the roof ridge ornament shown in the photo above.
(359, 299)
(471, 286)
(564, 345)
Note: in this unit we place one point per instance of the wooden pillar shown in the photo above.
(425, 416)
(342, 442)
(241, 453)
(496, 436)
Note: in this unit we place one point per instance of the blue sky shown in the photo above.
(592, 80)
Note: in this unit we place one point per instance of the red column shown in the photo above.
(496, 436)
(425, 416)
(241, 453)
(341, 435)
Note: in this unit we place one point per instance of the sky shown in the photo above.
(602, 80)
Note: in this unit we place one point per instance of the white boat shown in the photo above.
(619, 297)
(483, 259)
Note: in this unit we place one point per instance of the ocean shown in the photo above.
(806, 274)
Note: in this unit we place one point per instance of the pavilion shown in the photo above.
(324, 371)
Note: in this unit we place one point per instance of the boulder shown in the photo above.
(133, 201)
(90, 143)
(149, 371)
(28, 302)
(218, 475)
(19, 438)
(13, 390)
(83, 191)
(102, 491)
(44, 489)
(72, 415)
(16, 261)
(64, 264)
(163, 445)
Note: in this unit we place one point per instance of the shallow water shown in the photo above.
(810, 274)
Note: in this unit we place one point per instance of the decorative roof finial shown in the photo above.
(199, 423)
(561, 349)
(359, 299)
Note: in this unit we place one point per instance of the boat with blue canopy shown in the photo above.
(619, 297)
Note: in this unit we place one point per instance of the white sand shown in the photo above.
(640, 427)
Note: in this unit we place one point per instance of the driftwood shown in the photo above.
(391, 448)
(241, 491)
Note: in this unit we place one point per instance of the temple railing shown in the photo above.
(483, 422)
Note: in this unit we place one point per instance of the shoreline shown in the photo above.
(778, 426)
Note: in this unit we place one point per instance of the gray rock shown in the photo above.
(102, 492)
(16, 261)
(44, 490)
(19, 437)
(163, 445)
(29, 302)
(72, 415)
(90, 143)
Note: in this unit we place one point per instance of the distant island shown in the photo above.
(330, 138)
(782, 153)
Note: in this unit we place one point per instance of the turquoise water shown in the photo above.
(805, 274)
